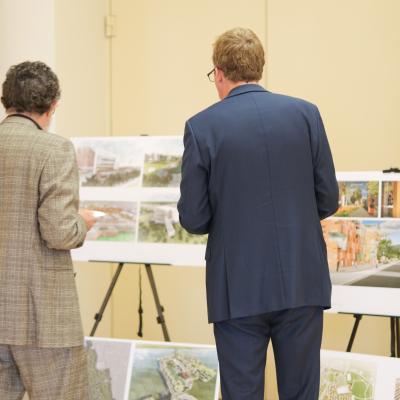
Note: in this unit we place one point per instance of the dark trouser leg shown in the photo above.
(242, 346)
(296, 337)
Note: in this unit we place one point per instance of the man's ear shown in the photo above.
(219, 75)
(52, 108)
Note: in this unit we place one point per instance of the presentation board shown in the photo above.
(363, 244)
(137, 370)
(134, 181)
(350, 376)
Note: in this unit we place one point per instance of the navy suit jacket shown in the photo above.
(258, 176)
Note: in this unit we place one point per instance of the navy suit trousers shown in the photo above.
(242, 344)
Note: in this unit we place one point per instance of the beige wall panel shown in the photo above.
(82, 64)
(182, 294)
(344, 56)
(373, 336)
(161, 55)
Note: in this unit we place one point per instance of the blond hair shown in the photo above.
(240, 55)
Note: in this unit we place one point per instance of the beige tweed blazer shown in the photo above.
(39, 224)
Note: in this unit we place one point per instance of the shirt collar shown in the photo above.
(248, 87)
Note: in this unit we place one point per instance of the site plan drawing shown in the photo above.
(351, 376)
(139, 370)
(108, 362)
(347, 380)
(171, 371)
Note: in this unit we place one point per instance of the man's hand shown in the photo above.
(88, 217)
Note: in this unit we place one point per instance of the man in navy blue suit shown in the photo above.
(258, 176)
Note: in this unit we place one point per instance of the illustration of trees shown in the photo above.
(356, 196)
(387, 251)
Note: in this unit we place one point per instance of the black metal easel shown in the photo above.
(160, 309)
(394, 333)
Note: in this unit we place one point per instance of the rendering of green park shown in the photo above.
(347, 380)
(118, 224)
(162, 162)
(159, 223)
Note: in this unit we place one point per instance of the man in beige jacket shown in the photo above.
(41, 338)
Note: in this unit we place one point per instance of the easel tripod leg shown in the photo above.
(398, 335)
(393, 335)
(98, 316)
(159, 307)
(354, 331)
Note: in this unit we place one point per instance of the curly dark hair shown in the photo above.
(30, 87)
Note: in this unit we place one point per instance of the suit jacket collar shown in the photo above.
(248, 87)
(16, 119)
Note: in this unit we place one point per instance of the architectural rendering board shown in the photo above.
(108, 363)
(119, 222)
(358, 199)
(351, 376)
(363, 252)
(390, 199)
(134, 180)
(109, 162)
(174, 371)
(363, 244)
(137, 370)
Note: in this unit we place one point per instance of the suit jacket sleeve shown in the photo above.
(61, 227)
(325, 183)
(193, 206)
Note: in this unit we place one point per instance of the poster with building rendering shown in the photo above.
(108, 163)
(358, 199)
(363, 244)
(363, 252)
(119, 222)
(162, 162)
(134, 181)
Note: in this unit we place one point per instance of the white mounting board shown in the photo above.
(350, 299)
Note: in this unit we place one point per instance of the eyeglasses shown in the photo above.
(211, 75)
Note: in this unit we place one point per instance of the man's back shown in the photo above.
(258, 175)
(264, 154)
(41, 338)
(38, 226)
